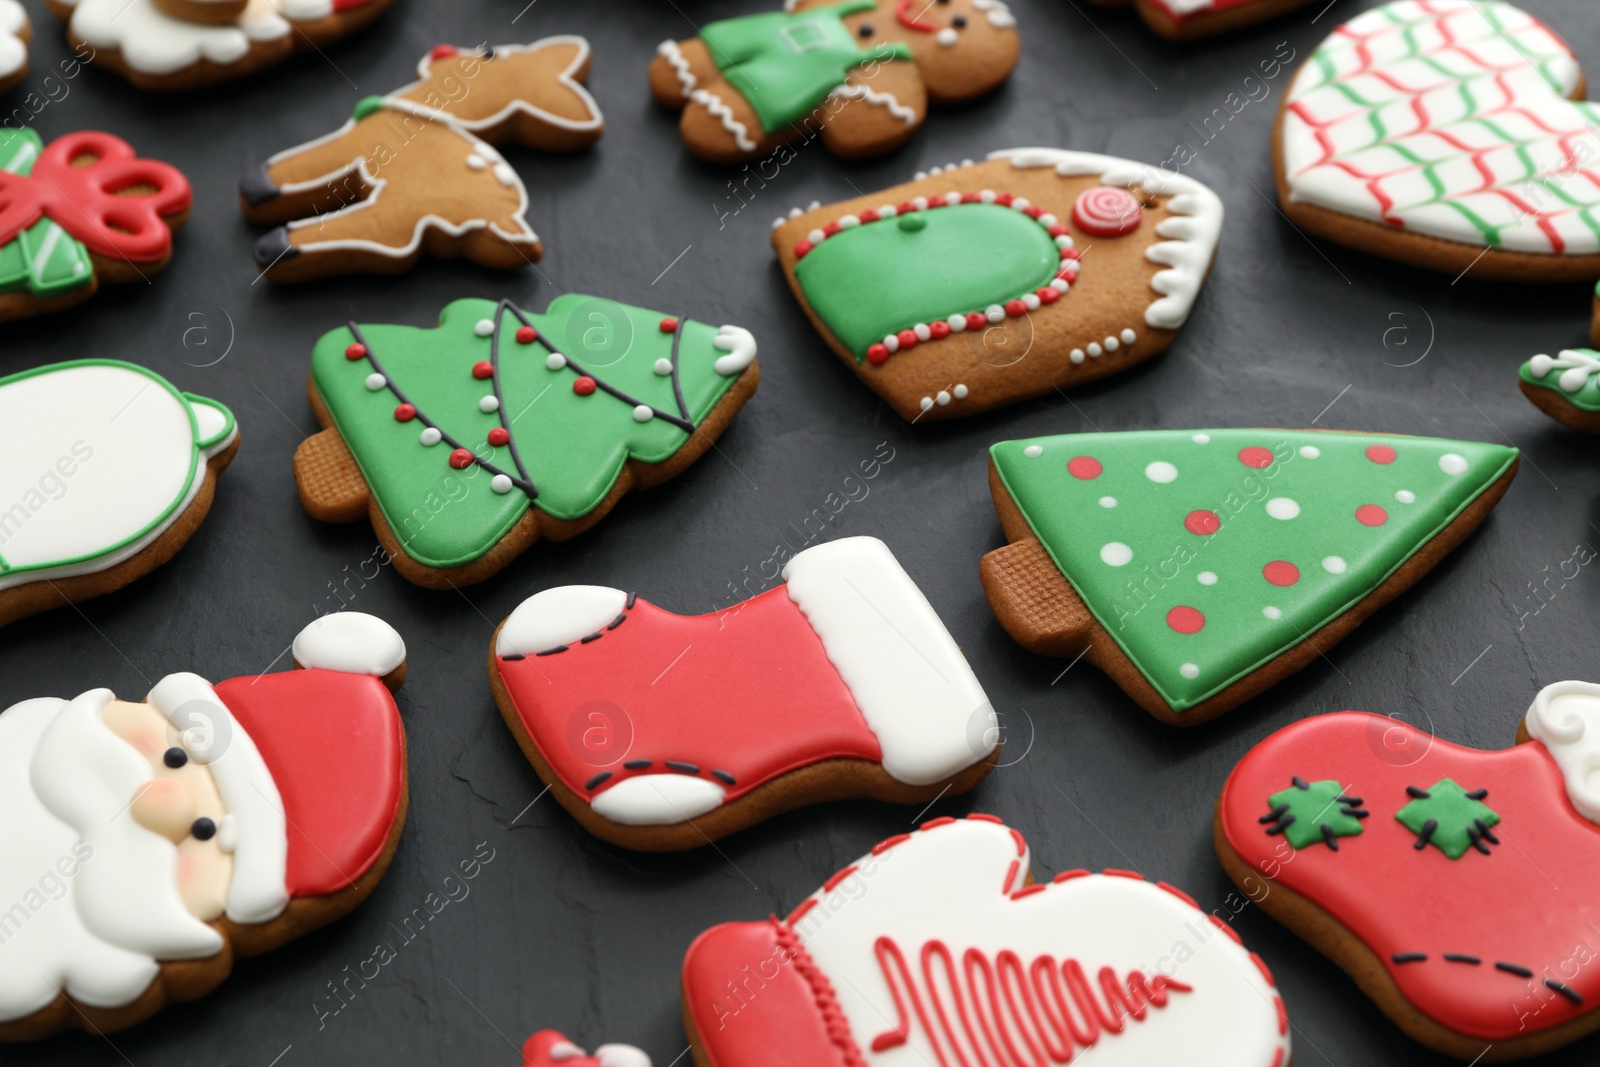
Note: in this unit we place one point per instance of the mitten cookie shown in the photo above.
(661, 732)
(204, 824)
(1452, 884)
(1188, 20)
(107, 472)
(548, 1048)
(1566, 387)
(15, 33)
(940, 949)
(984, 284)
(1198, 568)
(176, 45)
(433, 434)
(861, 73)
(415, 172)
(80, 210)
(1449, 134)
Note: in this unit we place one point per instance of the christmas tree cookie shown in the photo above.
(1455, 885)
(15, 33)
(1197, 568)
(1188, 20)
(943, 948)
(466, 443)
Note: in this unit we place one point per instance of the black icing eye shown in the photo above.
(203, 829)
(864, 30)
(175, 757)
(959, 22)
(488, 52)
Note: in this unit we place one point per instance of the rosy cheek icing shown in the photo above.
(164, 807)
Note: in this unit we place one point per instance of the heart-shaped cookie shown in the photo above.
(1450, 134)
(1186, 20)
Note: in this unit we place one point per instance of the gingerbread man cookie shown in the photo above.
(1188, 20)
(15, 33)
(201, 825)
(416, 172)
(860, 72)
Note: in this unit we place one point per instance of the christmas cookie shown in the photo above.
(939, 948)
(1198, 568)
(979, 285)
(78, 211)
(108, 472)
(433, 433)
(1386, 848)
(416, 172)
(1566, 387)
(15, 33)
(1187, 20)
(861, 73)
(549, 1048)
(150, 844)
(842, 682)
(176, 45)
(1449, 134)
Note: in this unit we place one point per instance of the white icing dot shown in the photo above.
(1334, 565)
(1116, 554)
(1207, 577)
(943, 399)
(642, 413)
(958, 323)
(995, 313)
(555, 361)
(476, 162)
(1406, 496)
(947, 37)
(1112, 344)
(1189, 670)
(888, 211)
(663, 366)
(376, 382)
(1033, 451)
(1161, 472)
(1108, 501)
(489, 404)
(1128, 337)
(849, 222)
(922, 331)
(1095, 350)
(1281, 507)
(988, 196)
(951, 199)
(1453, 464)
(505, 175)
(1311, 451)
(1201, 438)
(1076, 355)
(816, 237)
(1271, 612)
(500, 483)
(891, 342)
(959, 392)
(431, 436)
(484, 328)
(925, 403)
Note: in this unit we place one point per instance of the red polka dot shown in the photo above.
(482, 370)
(442, 51)
(1256, 456)
(1084, 467)
(405, 413)
(976, 320)
(878, 354)
(1371, 515)
(1380, 453)
(1281, 572)
(498, 436)
(1186, 620)
(461, 459)
(939, 330)
(526, 335)
(355, 352)
(669, 325)
(583, 386)
(1202, 522)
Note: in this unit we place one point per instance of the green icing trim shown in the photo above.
(1574, 375)
(1450, 818)
(572, 447)
(1312, 813)
(43, 260)
(877, 279)
(1130, 537)
(366, 106)
(786, 63)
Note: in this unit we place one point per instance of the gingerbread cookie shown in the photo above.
(416, 171)
(979, 285)
(15, 33)
(860, 72)
(1382, 845)
(842, 682)
(1188, 20)
(108, 472)
(939, 948)
(204, 824)
(1566, 387)
(549, 1048)
(78, 211)
(1198, 568)
(177, 45)
(1448, 134)
(432, 434)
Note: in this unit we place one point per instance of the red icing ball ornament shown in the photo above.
(802, 248)
(977, 320)
(1371, 515)
(907, 338)
(583, 386)
(1084, 467)
(1106, 211)
(1256, 456)
(878, 354)
(461, 459)
(1202, 522)
(482, 370)
(1380, 453)
(1186, 620)
(939, 330)
(1281, 572)
(355, 352)
(405, 413)
(669, 325)
(1016, 309)
(442, 51)
(1048, 295)
(498, 436)
(526, 335)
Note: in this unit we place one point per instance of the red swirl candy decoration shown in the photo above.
(90, 202)
(1106, 211)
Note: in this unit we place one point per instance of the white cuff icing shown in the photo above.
(740, 345)
(352, 642)
(658, 799)
(1565, 717)
(903, 668)
(559, 616)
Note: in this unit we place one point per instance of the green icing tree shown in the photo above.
(43, 260)
(1450, 818)
(1309, 813)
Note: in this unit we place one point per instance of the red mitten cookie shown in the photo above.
(549, 1048)
(939, 949)
(661, 732)
(1453, 884)
(1187, 20)
(204, 824)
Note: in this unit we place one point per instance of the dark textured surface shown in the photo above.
(560, 930)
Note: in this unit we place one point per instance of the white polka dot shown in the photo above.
(555, 361)
(1281, 507)
(1108, 501)
(1201, 438)
(500, 483)
(943, 399)
(1189, 670)
(1311, 451)
(430, 436)
(1406, 496)
(376, 382)
(1033, 451)
(1076, 355)
(484, 328)
(1128, 337)
(663, 366)
(642, 413)
(959, 392)
(925, 403)
(488, 405)
(1271, 612)
(1161, 471)
(1453, 464)
(1116, 554)
(1334, 565)
(1207, 577)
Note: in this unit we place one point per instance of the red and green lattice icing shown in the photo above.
(43, 260)
(1206, 554)
(1449, 118)
(460, 429)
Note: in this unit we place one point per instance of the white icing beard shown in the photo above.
(156, 43)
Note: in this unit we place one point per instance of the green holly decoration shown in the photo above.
(1311, 812)
(1450, 818)
(1574, 375)
(43, 260)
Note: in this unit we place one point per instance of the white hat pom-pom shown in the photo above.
(352, 642)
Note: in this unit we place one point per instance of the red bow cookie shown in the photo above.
(550, 1048)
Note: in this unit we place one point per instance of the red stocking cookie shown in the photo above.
(203, 824)
(1453, 884)
(660, 731)
(548, 1048)
(1186, 20)
(416, 172)
(939, 949)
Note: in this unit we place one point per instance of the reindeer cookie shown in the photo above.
(203, 824)
(861, 73)
(1187, 20)
(15, 33)
(416, 172)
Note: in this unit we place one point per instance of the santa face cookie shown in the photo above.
(15, 33)
(416, 171)
(981, 285)
(1197, 568)
(78, 211)
(1447, 134)
(860, 72)
(1383, 846)
(842, 682)
(432, 433)
(548, 1048)
(108, 473)
(1566, 387)
(177, 45)
(938, 948)
(1188, 20)
(203, 824)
